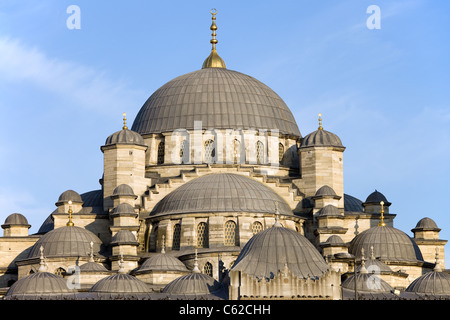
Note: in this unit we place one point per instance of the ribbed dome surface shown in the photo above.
(367, 282)
(70, 195)
(123, 209)
(192, 284)
(123, 190)
(163, 262)
(16, 219)
(329, 210)
(123, 237)
(325, 191)
(321, 138)
(66, 242)
(39, 283)
(220, 98)
(124, 136)
(376, 197)
(222, 192)
(427, 223)
(267, 252)
(120, 283)
(389, 244)
(92, 267)
(431, 283)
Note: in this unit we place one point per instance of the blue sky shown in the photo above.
(385, 92)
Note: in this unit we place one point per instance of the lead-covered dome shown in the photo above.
(267, 253)
(388, 243)
(222, 192)
(220, 98)
(68, 241)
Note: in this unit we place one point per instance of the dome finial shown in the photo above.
(213, 60)
(42, 263)
(70, 223)
(363, 269)
(320, 121)
(124, 121)
(382, 224)
(196, 269)
(277, 214)
(163, 245)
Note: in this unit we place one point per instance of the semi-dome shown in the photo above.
(67, 241)
(16, 219)
(39, 285)
(388, 243)
(220, 98)
(267, 253)
(222, 192)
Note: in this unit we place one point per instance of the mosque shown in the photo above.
(215, 194)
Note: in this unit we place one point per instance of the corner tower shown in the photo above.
(321, 162)
(123, 163)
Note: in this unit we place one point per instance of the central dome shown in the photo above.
(220, 98)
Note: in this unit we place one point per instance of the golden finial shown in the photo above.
(382, 224)
(70, 223)
(320, 121)
(124, 121)
(213, 60)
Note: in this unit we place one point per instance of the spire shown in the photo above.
(42, 264)
(163, 245)
(363, 269)
(320, 121)
(382, 224)
(124, 121)
(277, 214)
(196, 269)
(437, 267)
(372, 256)
(70, 223)
(213, 60)
(91, 254)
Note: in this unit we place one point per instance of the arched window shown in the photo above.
(176, 240)
(60, 272)
(236, 151)
(259, 152)
(256, 227)
(208, 269)
(231, 235)
(280, 153)
(202, 235)
(210, 151)
(161, 146)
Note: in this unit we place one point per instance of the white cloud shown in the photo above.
(88, 87)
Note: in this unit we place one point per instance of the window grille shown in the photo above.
(176, 240)
(202, 235)
(210, 151)
(280, 153)
(161, 153)
(256, 227)
(230, 234)
(259, 152)
(208, 269)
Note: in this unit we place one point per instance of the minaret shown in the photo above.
(214, 60)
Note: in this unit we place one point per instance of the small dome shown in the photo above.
(70, 195)
(123, 237)
(426, 223)
(125, 136)
(222, 192)
(321, 138)
(267, 253)
(376, 197)
(375, 265)
(325, 191)
(329, 210)
(389, 244)
(123, 209)
(16, 219)
(367, 283)
(93, 267)
(163, 262)
(68, 241)
(335, 239)
(38, 285)
(192, 284)
(123, 190)
(436, 283)
(120, 284)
